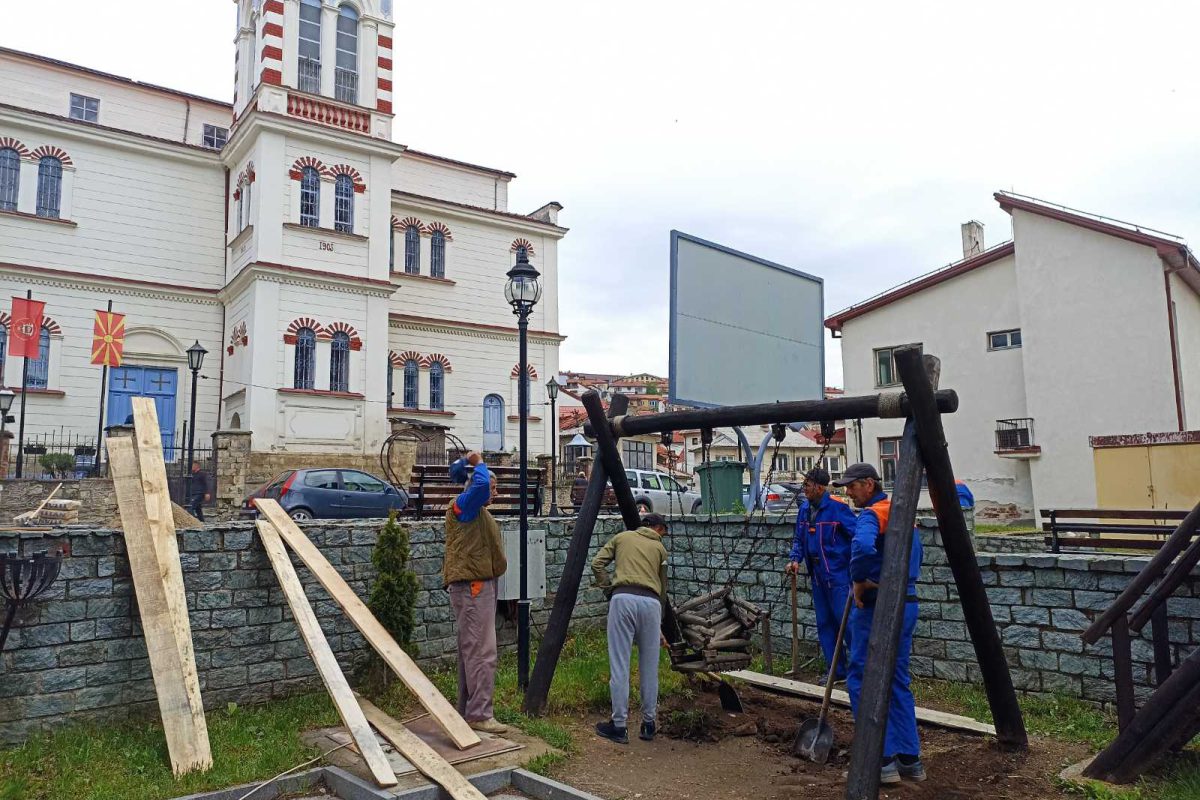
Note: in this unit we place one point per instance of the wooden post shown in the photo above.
(795, 631)
(870, 723)
(1123, 672)
(1174, 544)
(567, 592)
(917, 373)
(1180, 570)
(1162, 644)
(768, 656)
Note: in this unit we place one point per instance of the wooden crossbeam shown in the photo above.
(327, 666)
(391, 652)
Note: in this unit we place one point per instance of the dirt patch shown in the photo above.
(704, 752)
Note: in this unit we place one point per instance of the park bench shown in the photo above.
(1100, 528)
(430, 490)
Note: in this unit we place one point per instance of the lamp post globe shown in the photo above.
(6, 400)
(195, 355)
(552, 393)
(522, 291)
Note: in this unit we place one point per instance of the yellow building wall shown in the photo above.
(1165, 476)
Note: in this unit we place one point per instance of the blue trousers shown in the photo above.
(828, 602)
(901, 737)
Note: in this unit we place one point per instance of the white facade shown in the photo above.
(1089, 299)
(274, 251)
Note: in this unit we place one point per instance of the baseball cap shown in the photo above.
(818, 476)
(654, 521)
(856, 472)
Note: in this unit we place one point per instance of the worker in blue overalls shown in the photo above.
(824, 525)
(965, 498)
(901, 747)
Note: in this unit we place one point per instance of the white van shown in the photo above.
(660, 493)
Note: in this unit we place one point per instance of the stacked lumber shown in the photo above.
(717, 628)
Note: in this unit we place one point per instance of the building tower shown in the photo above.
(309, 164)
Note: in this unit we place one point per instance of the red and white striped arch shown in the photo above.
(297, 170)
(438, 358)
(529, 368)
(441, 228)
(295, 326)
(409, 222)
(270, 57)
(399, 359)
(7, 142)
(355, 176)
(383, 102)
(52, 327)
(53, 152)
(342, 327)
(519, 243)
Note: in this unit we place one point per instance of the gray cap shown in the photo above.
(818, 476)
(856, 472)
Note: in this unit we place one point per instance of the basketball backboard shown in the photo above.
(743, 329)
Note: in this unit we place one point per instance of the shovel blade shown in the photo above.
(813, 741)
(730, 702)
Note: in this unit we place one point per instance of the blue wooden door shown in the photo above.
(493, 423)
(125, 383)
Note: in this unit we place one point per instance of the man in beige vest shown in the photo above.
(474, 559)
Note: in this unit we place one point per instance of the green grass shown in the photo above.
(993, 528)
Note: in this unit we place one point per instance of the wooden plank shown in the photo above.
(412, 676)
(813, 692)
(1112, 513)
(322, 656)
(421, 755)
(176, 684)
(1123, 672)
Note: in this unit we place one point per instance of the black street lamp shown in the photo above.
(195, 355)
(552, 392)
(6, 402)
(522, 292)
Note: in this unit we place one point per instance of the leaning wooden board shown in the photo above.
(172, 664)
(420, 755)
(814, 692)
(322, 656)
(365, 621)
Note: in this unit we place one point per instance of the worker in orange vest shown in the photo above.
(901, 746)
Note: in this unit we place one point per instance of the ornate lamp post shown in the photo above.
(552, 393)
(522, 292)
(6, 402)
(195, 355)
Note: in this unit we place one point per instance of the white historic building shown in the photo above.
(334, 276)
(1080, 326)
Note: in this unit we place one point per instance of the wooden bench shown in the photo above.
(1099, 528)
(430, 490)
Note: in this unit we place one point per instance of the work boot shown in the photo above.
(489, 725)
(607, 730)
(911, 769)
(648, 731)
(890, 772)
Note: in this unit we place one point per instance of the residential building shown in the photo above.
(334, 276)
(1079, 326)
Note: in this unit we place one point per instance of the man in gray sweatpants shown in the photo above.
(636, 595)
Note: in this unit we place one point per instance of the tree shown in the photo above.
(394, 596)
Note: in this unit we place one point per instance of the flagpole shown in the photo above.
(100, 424)
(24, 387)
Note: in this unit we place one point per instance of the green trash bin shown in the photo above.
(721, 487)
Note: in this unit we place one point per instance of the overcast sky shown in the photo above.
(848, 140)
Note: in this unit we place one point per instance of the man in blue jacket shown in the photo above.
(901, 746)
(824, 525)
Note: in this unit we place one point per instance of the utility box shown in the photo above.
(508, 587)
(720, 486)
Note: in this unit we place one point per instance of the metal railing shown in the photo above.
(1014, 434)
(309, 76)
(345, 85)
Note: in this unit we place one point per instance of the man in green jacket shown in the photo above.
(635, 609)
(474, 559)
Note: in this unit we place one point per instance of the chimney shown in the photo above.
(972, 238)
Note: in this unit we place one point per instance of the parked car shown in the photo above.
(660, 493)
(777, 498)
(329, 494)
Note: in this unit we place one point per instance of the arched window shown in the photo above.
(437, 387)
(339, 362)
(10, 178)
(391, 249)
(49, 187)
(522, 250)
(345, 83)
(343, 204)
(437, 254)
(306, 358)
(410, 384)
(39, 368)
(310, 47)
(412, 250)
(310, 197)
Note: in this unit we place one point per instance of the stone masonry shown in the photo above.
(78, 652)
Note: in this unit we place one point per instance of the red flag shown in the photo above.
(24, 332)
(108, 339)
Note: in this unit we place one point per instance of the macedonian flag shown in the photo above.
(108, 339)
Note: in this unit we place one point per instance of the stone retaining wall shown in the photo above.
(78, 653)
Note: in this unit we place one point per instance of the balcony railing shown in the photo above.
(310, 76)
(327, 112)
(345, 85)
(1014, 434)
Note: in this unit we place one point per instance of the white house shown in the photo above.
(333, 275)
(1078, 326)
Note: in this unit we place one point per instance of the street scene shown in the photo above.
(817, 415)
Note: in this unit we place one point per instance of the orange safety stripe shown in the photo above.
(883, 510)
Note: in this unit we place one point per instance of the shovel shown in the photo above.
(730, 702)
(814, 739)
